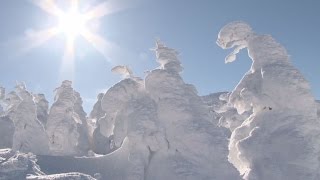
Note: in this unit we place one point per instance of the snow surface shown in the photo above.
(18, 166)
(280, 140)
(62, 176)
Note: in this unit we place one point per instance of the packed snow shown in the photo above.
(157, 127)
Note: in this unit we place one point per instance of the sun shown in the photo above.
(72, 24)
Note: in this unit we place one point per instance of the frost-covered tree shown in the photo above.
(29, 134)
(132, 114)
(280, 140)
(66, 125)
(196, 149)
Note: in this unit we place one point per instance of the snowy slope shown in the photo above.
(19, 166)
(111, 167)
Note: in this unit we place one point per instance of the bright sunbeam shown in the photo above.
(73, 23)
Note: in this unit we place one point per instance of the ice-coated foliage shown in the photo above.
(280, 140)
(66, 125)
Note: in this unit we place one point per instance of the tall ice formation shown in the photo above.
(281, 139)
(29, 134)
(196, 148)
(66, 125)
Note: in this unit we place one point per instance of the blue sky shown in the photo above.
(189, 26)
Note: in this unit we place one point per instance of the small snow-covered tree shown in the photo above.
(66, 125)
(29, 134)
(196, 148)
(280, 140)
(132, 114)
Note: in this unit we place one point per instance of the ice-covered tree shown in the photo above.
(196, 148)
(66, 125)
(132, 114)
(29, 134)
(280, 140)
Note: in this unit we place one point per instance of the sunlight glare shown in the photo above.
(72, 23)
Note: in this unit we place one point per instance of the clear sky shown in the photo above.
(190, 26)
